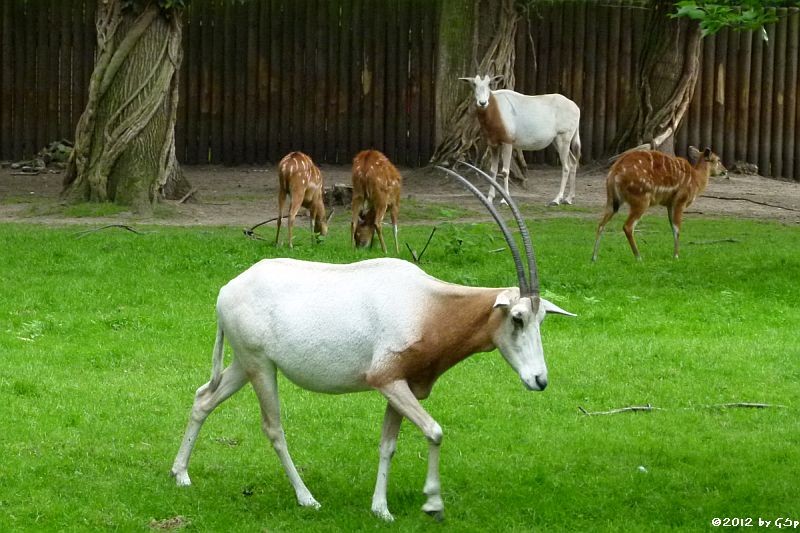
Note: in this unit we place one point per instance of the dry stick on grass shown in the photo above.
(715, 241)
(734, 198)
(187, 195)
(82, 234)
(648, 407)
(418, 258)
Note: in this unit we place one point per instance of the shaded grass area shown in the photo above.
(104, 340)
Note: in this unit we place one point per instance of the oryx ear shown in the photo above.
(497, 79)
(468, 80)
(503, 300)
(550, 307)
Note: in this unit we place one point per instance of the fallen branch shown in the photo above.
(187, 195)
(82, 234)
(418, 258)
(648, 407)
(736, 198)
(716, 241)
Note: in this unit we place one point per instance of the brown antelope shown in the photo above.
(511, 120)
(642, 178)
(382, 325)
(376, 189)
(301, 180)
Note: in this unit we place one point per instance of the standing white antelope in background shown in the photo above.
(301, 180)
(380, 324)
(511, 120)
(642, 178)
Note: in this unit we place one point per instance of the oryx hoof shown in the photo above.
(553, 202)
(383, 514)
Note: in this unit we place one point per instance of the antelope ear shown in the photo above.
(550, 307)
(694, 154)
(707, 152)
(503, 300)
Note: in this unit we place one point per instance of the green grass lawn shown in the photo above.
(104, 339)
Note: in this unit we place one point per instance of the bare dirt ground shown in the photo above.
(244, 196)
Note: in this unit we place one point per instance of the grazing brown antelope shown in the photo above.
(376, 189)
(301, 180)
(642, 178)
(383, 325)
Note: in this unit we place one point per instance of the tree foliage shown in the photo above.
(715, 15)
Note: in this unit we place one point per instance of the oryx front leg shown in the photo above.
(404, 402)
(506, 151)
(391, 427)
(205, 402)
(266, 388)
(494, 154)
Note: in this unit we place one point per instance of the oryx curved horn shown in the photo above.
(524, 287)
(533, 272)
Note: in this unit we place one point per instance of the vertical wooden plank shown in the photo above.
(600, 89)
(717, 134)
(218, 137)
(191, 69)
(227, 83)
(731, 90)
(754, 105)
(625, 66)
(369, 10)
(543, 47)
(555, 52)
(588, 115)
(19, 13)
(356, 115)
(414, 88)
(78, 58)
(742, 122)
(521, 51)
(344, 109)
(790, 162)
(767, 79)
(332, 102)
(53, 54)
(299, 92)
(379, 77)
(252, 112)
(693, 116)
(392, 82)
(31, 106)
(241, 74)
(404, 103)
(778, 98)
(276, 51)
(320, 77)
(41, 81)
(578, 68)
(90, 46)
(7, 82)
(204, 116)
(308, 89)
(613, 74)
(708, 92)
(263, 51)
(427, 79)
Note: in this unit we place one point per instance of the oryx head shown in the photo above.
(481, 86)
(518, 336)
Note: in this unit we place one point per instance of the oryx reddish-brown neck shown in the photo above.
(457, 324)
(492, 123)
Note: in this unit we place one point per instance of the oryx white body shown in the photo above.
(528, 122)
(380, 324)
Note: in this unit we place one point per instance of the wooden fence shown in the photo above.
(330, 77)
(746, 104)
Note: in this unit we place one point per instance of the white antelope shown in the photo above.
(380, 324)
(301, 180)
(642, 178)
(376, 189)
(511, 120)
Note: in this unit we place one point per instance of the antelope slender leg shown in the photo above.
(205, 401)
(494, 153)
(393, 212)
(380, 213)
(391, 427)
(266, 388)
(403, 400)
(281, 201)
(676, 219)
(607, 214)
(636, 212)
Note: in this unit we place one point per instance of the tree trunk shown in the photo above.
(667, 72)
(125, 139)
(486, 29)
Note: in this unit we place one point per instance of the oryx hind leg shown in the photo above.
(563, 148)
(205, 401)
(266, 388)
